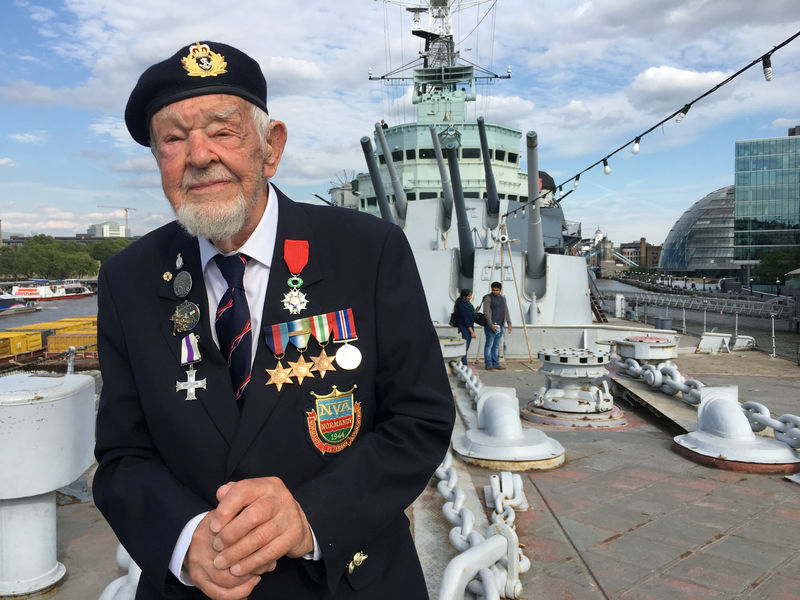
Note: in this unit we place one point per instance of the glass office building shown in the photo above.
(701, 241)
(767, 211)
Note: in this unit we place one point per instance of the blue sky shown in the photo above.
(587, 75)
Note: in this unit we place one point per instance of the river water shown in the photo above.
(787, 343)
(52, 310)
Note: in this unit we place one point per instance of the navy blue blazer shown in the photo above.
(162, 457)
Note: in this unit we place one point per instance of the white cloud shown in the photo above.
(33, 137)
(6, 162)
(665, 89)
(115, 128)
(786, 123)
(143, 164)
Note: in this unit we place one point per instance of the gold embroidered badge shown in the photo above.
(335, 422)
(203, 62)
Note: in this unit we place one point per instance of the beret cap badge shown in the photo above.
(203, 62)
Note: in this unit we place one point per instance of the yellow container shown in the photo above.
(84, 340)
(22, 341)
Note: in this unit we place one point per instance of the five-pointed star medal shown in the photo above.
(322, 364)
(301, 369)
(279, 376)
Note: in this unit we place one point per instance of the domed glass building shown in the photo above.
(701, 241)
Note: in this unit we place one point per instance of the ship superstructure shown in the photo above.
(414, 187)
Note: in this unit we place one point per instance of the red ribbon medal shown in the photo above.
(295, 255)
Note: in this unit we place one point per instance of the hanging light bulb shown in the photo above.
(577, 179)
(683, 112)
(767, 64)
(635, 149)
(560, 192)
(606, 168)
(523, 210)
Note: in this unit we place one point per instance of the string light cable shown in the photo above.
(766, 62)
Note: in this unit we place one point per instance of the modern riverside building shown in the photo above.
(701, 241)
(767, 213)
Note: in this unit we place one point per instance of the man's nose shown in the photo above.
(201, 153)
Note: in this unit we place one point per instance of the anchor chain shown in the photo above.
(665, 376)
(500, 579)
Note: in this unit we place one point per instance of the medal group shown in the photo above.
(338, 327)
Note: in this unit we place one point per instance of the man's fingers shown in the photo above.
(238, 495)
(216, 592)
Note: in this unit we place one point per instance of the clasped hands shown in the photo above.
(256, 522)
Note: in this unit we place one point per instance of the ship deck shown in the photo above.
(625, 517)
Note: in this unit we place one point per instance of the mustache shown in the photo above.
(213, 173)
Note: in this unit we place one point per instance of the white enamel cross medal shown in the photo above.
(190, 385)
(295, 255)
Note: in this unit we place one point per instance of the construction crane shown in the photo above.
(125, 208)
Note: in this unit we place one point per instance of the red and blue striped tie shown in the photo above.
(233, 322)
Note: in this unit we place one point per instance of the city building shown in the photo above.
(642, 253)
(107, 230)
(701, 241)
(767, 209)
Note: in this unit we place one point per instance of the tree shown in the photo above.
(105, 249)
(8, 260)
(42, 256)
(774, 265)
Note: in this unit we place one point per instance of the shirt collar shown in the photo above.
(261, 243)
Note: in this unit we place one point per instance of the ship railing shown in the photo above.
(747, 308)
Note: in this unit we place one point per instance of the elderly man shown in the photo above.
(264, 419)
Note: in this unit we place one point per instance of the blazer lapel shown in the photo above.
(217, 398)
(262, 399)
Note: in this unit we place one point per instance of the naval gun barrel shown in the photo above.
(465, 244)
(446, 204)
(400, 202)
(492, 199)
(536, 263)
(377, 182)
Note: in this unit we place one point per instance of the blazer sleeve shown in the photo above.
(358, 495)
(146, 506)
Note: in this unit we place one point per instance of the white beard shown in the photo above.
(212, 221)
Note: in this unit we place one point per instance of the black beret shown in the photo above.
(195, 70)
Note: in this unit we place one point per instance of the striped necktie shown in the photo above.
(233, 322)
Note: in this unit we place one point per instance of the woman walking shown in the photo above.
(465, 319)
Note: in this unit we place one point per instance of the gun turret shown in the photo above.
(446, 203)
(465, 243)
(377, 182)
(492, 199)
(536, 262)
(400, 202)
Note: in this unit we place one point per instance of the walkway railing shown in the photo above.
(747, 308)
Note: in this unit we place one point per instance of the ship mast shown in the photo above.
(443, 83)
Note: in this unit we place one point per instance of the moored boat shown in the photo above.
(52, 291)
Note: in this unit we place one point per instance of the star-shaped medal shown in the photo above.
(301, 369)
(322, 364)
(279, 376)
(294, 301)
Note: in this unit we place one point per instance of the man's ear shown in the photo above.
(276, 141)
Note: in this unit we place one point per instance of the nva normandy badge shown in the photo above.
(335, 422)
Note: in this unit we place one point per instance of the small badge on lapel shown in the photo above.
(334, 424)
(185, 317)
(182, 284)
